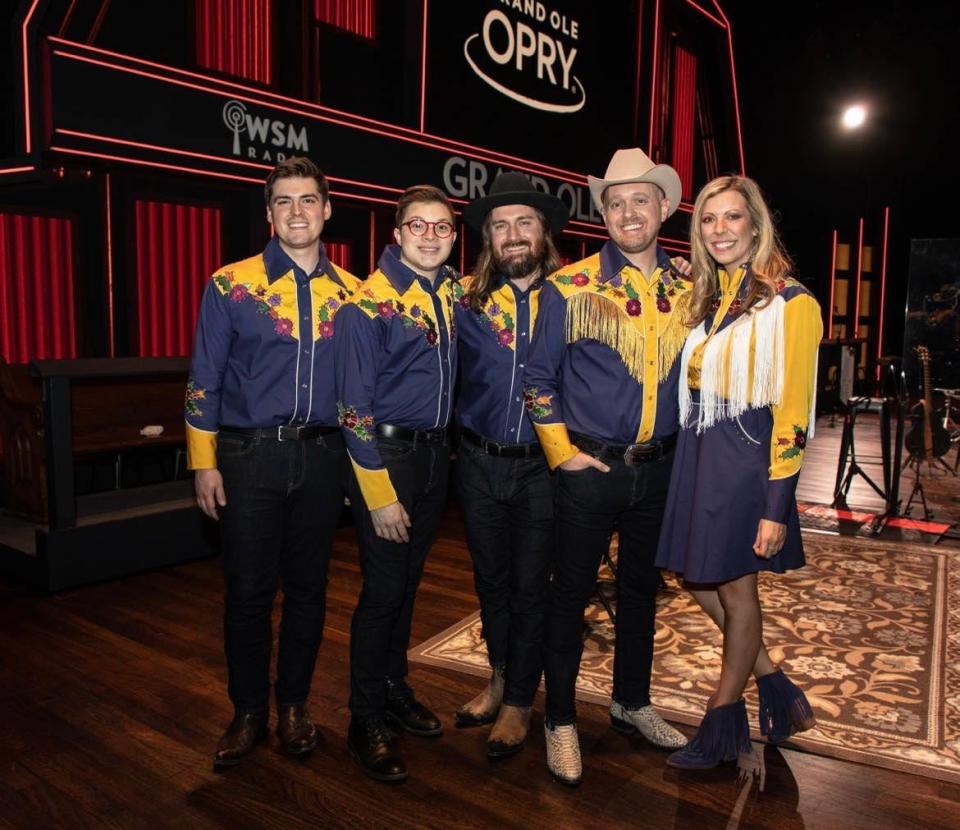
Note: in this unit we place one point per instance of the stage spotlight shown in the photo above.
(854, 116)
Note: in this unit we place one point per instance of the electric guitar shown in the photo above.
(928, 439)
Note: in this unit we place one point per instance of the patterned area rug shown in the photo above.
(869, 629)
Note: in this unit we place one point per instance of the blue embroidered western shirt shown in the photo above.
(604, 356)
(263, 352)
(494, 345)
(395, 356)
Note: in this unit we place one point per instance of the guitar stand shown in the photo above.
(915, 462)
(848, 449)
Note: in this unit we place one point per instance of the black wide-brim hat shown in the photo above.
(517, 189)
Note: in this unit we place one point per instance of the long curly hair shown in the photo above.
(769, 262)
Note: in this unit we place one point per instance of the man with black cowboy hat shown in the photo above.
(601, 388)
(505, 486)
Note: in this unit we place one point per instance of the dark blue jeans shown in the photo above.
(284, 501)
(380, 630)
(590, 506)
(508, 513)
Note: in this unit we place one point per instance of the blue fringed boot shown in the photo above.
(784, 708)
(723, 735)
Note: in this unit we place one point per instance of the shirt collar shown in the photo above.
(401, 276)
(501, 280)
(613, 261)
(278, 263)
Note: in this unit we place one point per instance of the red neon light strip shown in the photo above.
(112, 344)
(736, 91)
(24, 169)
(833, 285)
(433, 145)
(215, 175)
(707, 14)
(98, 22)
(373, 241)
(423, 71)
(883, 281)
(415, 135)
(637, 77)
(572, 232)
(207, 156)
(67, 17)
(26, 78)
(856, 312)
(653, 81)
(157, 164)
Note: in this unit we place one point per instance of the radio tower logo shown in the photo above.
(235, 117)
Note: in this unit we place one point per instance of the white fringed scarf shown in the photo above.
(725, 389)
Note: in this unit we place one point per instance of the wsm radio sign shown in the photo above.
(265, 139)
(526, 51)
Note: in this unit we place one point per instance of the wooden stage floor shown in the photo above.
(112, 699)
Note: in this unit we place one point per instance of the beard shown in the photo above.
(523, 263)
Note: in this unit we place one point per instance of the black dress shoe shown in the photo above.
(371, 746)
(297, 733)
(406, 713)
(243, 734)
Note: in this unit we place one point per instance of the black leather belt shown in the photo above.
(503, 450)
(285, 432)
(417, 436)
(629, 454)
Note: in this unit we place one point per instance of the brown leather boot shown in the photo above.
(484, 707)
(297, 733)
(509, 733)
(243, 734)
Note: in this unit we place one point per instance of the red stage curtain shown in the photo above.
(178, 248)
(683, 110)
(233, 36)
(36, 288)
(357, 16)
(339, 254)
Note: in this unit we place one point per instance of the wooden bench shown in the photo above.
(55, 412)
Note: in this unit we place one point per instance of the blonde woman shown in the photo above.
(747, 391)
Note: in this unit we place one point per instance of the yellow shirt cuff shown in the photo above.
(201, 449)
(556, 443)
(375, 485)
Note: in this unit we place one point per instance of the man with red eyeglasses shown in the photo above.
(395, 357)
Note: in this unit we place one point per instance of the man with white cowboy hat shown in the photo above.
(504, 484)
(601, 388)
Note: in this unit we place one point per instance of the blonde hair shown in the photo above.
(768, 263)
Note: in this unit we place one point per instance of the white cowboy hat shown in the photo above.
(634, 165)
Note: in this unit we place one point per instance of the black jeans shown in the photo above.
(380, 631)
(508, 513)
(590, 506)
(284, 501)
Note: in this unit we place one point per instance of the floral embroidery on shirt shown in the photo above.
(580, 279)
(415, 318)
(240, 291)
(359, 425)
(794, 447)
(326, 314)
(194, 394)
(539, 406)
